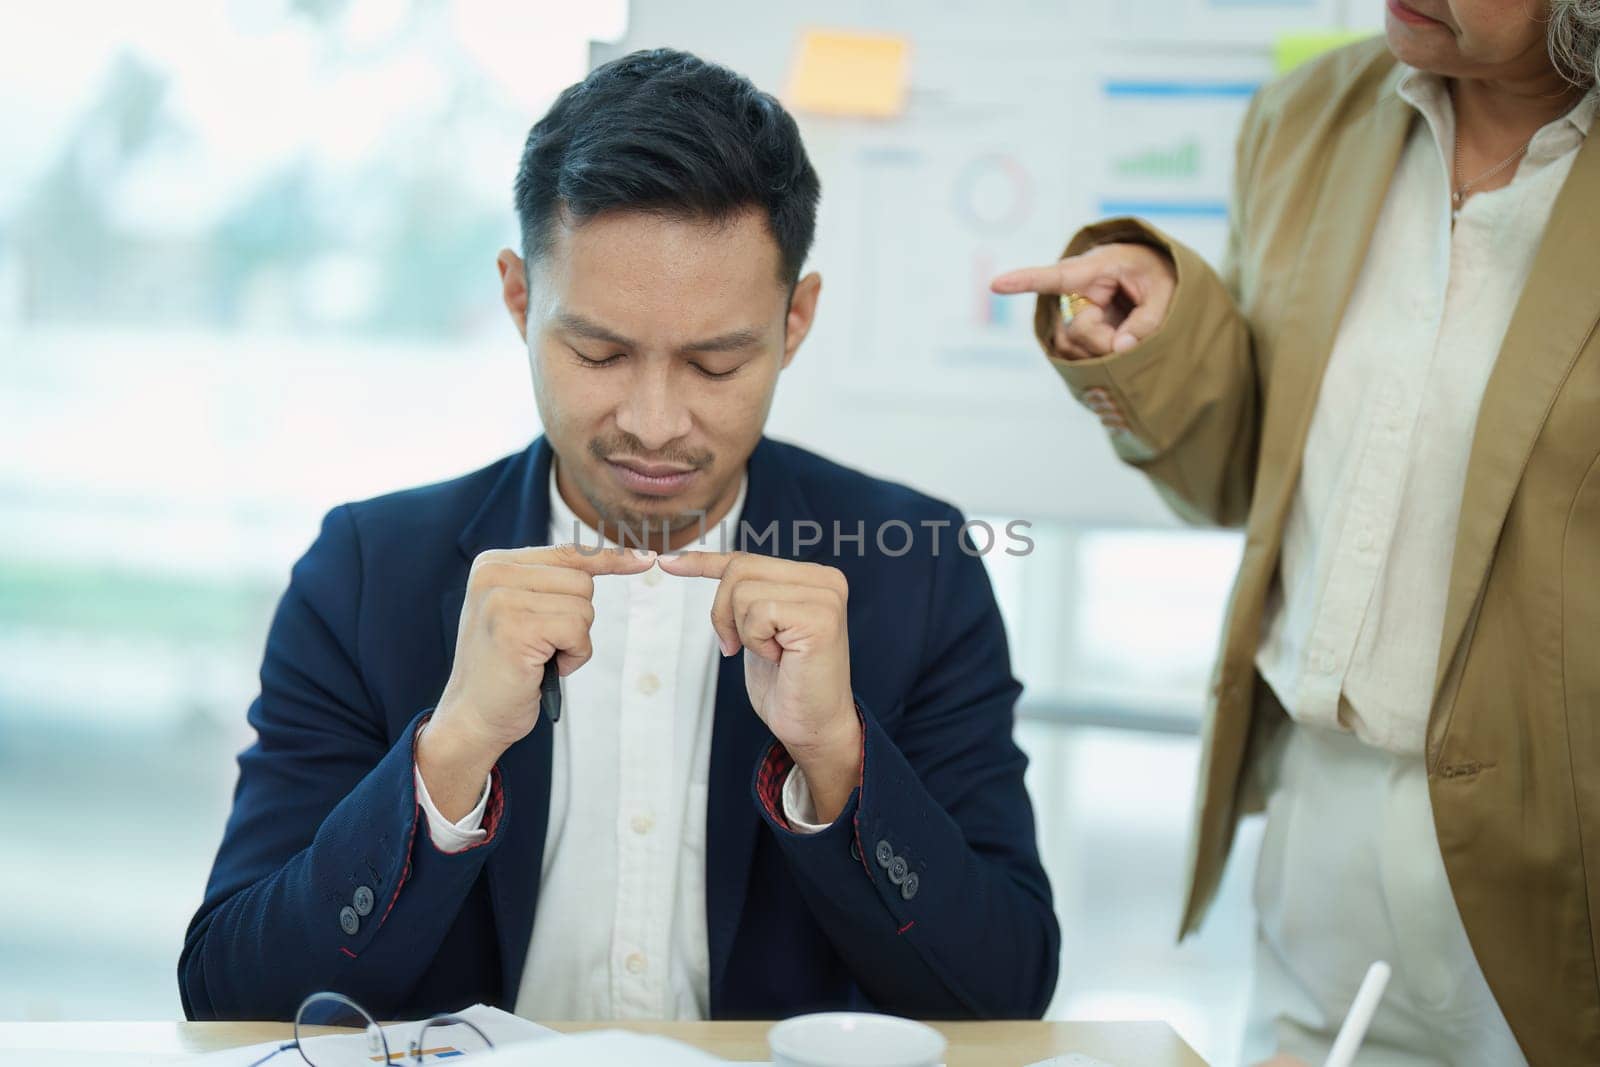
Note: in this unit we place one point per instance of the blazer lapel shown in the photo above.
(1552, 321)
(738, 736)
(1340, 230)
(515, 514)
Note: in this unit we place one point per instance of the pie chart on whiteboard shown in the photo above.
(993, 193)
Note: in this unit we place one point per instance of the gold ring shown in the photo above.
(1072, 304)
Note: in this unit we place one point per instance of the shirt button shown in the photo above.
(1364, 540)
(648, 684)
(635, 963)
(652, 577)
(1325, 662)
(643, 824)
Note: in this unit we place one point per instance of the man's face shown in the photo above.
(655, 345)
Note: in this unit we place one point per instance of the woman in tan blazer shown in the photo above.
(1394, 387)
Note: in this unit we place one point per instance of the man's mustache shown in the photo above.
(625, 445)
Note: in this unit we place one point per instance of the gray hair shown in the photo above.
(1575, 39)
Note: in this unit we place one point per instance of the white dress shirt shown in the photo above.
(620, 929)
(1353, 627)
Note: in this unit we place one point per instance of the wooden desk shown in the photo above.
(971, 1044)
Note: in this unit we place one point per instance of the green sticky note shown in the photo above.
(1292, 49)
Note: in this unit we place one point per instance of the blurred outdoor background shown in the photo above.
(246, 273)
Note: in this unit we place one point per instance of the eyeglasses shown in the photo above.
(438, 1038)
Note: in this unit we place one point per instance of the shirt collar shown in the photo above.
(564, 521)
(1428, 94)
(1582, 113)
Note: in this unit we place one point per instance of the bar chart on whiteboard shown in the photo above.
(1167, 146)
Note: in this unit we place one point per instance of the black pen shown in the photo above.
(550, 692)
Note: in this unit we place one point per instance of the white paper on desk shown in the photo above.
(501, 1028)
(56, 1057)
(601, 1048)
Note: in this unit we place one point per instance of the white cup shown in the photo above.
(854, 1039)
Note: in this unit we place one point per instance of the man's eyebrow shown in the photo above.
(581, 326)
(728, 342)
(732, 341)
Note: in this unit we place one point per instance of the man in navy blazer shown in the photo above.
(867, 838)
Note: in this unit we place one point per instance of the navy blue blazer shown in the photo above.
(322, 880)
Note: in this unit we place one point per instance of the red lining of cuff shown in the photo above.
(411, 837)
(769, 782)
(775, 768)
(347, 952)
(491, 813)
(861, 786)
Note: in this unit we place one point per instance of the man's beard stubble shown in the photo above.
(631, 527)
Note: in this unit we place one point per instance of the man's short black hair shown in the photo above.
(665, 131)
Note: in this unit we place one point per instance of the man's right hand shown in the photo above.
(1128, 285)
(526, 610)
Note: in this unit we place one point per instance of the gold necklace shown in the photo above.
(1459, 195)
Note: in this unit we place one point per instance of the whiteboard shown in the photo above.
(1027, 119)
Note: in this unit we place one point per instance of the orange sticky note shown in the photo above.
(838, 72)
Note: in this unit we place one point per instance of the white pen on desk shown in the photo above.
(1343, 1052)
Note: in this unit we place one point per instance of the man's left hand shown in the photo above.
(789, 617)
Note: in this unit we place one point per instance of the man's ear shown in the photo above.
(802, 312)
(514, 288)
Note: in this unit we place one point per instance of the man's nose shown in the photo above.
(652, 410)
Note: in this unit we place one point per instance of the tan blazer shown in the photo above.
(1217, 404)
